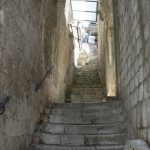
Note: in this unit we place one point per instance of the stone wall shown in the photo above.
(132, 29)
(33, 36)
(101, 52)
(58, 50)
(106, 47)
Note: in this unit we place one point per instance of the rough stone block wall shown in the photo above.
(33, 36)
(132, 29)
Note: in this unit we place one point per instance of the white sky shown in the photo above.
(84, 6)
(79, 15)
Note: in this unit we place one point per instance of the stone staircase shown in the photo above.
(86, 84)
(86, 123)
(81, 126)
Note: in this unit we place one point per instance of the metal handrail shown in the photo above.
(3, 104)
(39, 85)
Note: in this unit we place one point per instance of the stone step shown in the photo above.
(86, 100)
(87, 112)
(86, 72)
(84, 81)
(100, 112)
(82, 129)
(80, 78)
(79, 140)
(66, 112)
(59, 147)
(100, 105)
(88, 93)
(91, 91)
(103, 105)
(86, 75)
(87, 97)
(69, 119)
(87, 68)
(78, 120)
(68, 105)
(120, 118)
(87, 86)
(111, 139)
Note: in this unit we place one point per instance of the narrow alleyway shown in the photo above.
(74, 74)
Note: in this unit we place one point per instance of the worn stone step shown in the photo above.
(100, 105)
(69, 119)
(78, 120)
(84, 100)
(87, 67)
(79, 140)
(89, 79)
(89, 70)
(85, 112)
(94, 70)
(101, 112)
(87, 83)
(111, 139)
(86, 79)
(86, 76)
(108, 119)
(87, 89)
(86, 92)
(83, 129)
(87, 97)
(59, 147)
(84, 82)
(87, 86)
(103, 105)
(66, 112)
(86, 70)
(69, 100)
(87, 100)
(68, 105)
